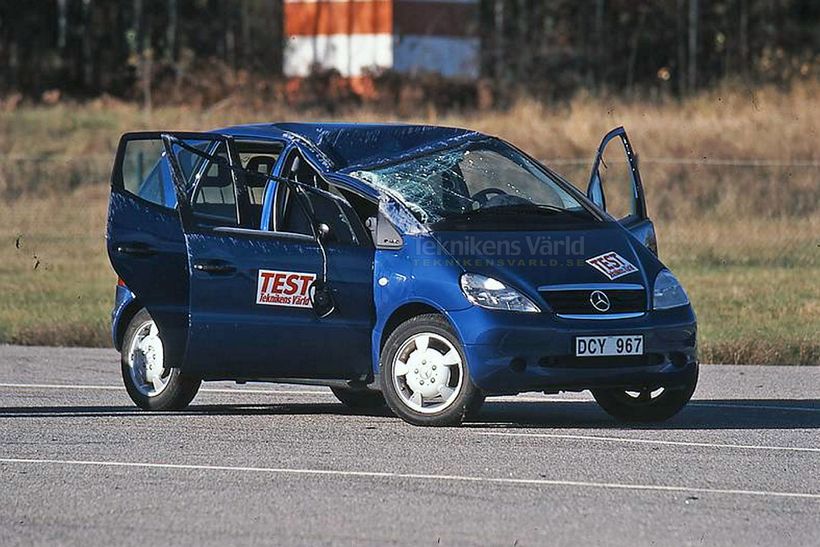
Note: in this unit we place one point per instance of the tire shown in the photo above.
(424, 358)
(358, 398)
(142, 360)
(619, 404)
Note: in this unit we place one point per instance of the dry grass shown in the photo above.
(754, 285)
(74, 145)
(743, 239)
(56, 286)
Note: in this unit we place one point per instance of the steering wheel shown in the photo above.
(486, 194)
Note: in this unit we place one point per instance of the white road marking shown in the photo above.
(537, 399)
(603, 438)
(206, 389)
(697, 402)
(761, 407)
(418, 476)
(269, 391)
(55, 386)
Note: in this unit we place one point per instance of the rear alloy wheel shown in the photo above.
(150, 383)
(646, 405)
(358, 398)
(425, 379)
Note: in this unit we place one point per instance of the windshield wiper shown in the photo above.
(535, 208)
(505, 211)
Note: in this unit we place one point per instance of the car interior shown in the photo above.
(215, 201)
(215, 198)
(326, 203)
(343, 212)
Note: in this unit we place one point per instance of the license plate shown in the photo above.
(598, 346)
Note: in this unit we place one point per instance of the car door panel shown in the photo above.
(230, 334)
(144, 234)
(234, 334)
(147, 250)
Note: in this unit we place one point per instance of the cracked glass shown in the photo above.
(474, 179)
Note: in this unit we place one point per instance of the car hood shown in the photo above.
(531, 259)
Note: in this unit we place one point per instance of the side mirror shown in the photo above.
(595, 191)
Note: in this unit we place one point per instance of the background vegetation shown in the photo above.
(732, 181)
(160, 51)
(720, 97)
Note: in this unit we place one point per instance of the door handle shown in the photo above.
(215, 268)
(136, 249)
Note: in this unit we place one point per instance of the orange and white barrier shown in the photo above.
(409, 36)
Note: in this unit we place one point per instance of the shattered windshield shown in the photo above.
(487, 178)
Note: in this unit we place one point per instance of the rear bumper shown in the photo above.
(514, 352)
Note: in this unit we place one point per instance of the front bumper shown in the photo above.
(510, 352)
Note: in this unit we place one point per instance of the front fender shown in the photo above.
(414, 274)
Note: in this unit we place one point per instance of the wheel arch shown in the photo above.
(123, 319)
(402, 313)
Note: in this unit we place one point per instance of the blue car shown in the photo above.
(421, 267)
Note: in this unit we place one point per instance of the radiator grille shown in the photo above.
(579, 302)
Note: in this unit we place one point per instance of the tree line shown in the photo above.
(543, 48)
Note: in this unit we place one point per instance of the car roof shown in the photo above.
(349, 145)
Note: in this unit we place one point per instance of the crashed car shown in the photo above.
(422, 267)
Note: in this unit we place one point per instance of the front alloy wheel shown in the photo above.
(425, 379)
(427, 372)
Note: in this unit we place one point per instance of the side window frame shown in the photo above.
(273, 208)
(247, 220)
(277, 208)
(596, 190)
(117, 178)
(196, 187)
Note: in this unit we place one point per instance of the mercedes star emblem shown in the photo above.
(599, 301)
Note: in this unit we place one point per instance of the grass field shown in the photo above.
(744, 236)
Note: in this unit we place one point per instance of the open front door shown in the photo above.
(145, 236)
(252, 314)
(615, 186)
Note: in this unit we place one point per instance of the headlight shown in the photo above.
(493, 294)
(668, 292)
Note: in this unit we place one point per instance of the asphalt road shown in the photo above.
(289, 465)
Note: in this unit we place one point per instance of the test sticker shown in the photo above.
(290, 289)
(612, 265)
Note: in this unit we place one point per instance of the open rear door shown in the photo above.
(145, 237)
(615, 186)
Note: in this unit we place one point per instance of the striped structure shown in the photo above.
(408, 36)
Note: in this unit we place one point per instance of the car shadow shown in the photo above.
(698, 415)
(104, 411)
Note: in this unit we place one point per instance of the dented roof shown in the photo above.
(349, 145)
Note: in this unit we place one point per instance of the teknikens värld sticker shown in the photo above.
(612, 265)
(292, 289)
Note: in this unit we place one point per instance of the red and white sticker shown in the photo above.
(612, 265)
(290, 289)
